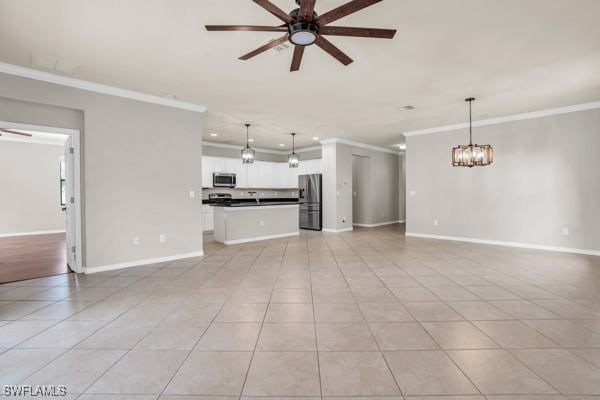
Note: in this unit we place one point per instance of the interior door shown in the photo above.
(70, 203)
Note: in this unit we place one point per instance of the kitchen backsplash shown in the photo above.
(243, 193)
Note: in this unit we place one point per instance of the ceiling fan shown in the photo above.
(12, 132)
(304, 27)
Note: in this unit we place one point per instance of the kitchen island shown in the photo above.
(253, 221)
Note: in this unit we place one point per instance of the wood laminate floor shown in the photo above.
(35, 256)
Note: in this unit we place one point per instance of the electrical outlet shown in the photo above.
(565, 231)
(162, 238)
(435, 222)
(192, 194)
(344, 220)
(262, 223)
(136, 240)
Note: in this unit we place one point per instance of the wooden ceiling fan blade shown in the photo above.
(15, 132)
(297, 58)
(344, 10)
(333, 51)
(276, 11)
(307, 8)
(358, 32)
(265, 47)
(247, 28)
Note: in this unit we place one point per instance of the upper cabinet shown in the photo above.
(260, 174)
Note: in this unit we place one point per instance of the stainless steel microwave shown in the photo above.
(221, 179)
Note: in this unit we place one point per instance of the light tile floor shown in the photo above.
(363, 314)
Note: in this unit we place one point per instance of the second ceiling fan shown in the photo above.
(304, 27)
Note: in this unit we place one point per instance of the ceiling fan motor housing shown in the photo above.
(303, 33)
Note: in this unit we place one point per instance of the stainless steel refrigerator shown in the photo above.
(310, 192)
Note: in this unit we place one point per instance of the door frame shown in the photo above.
(76, 137)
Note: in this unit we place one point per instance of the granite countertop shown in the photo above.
(255, 204)
(252, 203)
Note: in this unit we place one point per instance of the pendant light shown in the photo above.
(472, 155)
(247, 152)
(293, 159)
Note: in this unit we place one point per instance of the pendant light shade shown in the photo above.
(293, 159)
(247, 152)
(472, 155)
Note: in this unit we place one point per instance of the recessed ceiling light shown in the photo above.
(251, 140)
(281, 145)
(315, 138)
(214, 134)
(402, 146)
(406, 108)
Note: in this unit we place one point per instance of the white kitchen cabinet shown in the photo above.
(219, 164)
(264, 174)
(241, 175)
(208, 218)
(280, 171)
(260, 174)
(231, 165)
(253, 177)
(207, 170)
(292, 178)
(313, 166)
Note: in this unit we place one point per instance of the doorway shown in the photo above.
(361, 214)
(40, 212)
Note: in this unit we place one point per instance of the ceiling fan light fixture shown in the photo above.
(472, 155)
(293, 159)
(248, 153)
(303, 33)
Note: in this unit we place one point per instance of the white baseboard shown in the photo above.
(259, 238)
(338, 230)
(137, 263)
(380, 224)
(2, 235)
(507, 244)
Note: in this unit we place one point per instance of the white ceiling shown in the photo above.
(513, 55)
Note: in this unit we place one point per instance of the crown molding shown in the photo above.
(507, 118)
(240, 147)
(361, 145)
(30, 73)
(31, 141)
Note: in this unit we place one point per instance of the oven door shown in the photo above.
(223, 180)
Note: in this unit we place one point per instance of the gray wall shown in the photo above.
(139, 162)
(30, 200)
(545, 177)
(215, 151)
(384, 182)
(402, 187)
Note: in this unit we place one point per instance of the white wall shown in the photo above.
(545, 177)
(384, 182)
(30, 199)
(139, 161)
